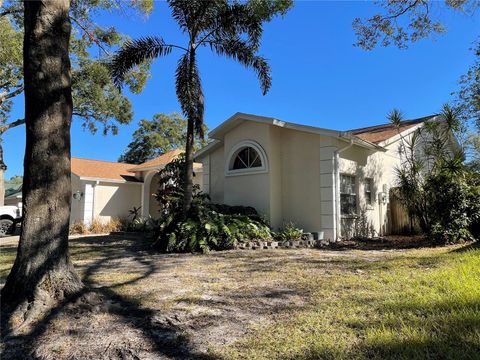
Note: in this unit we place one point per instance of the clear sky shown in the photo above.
(319, 77)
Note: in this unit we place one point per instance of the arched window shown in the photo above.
(246, 157)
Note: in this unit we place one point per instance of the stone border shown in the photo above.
(292, 244)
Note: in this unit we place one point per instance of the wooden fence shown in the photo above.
(399, 221)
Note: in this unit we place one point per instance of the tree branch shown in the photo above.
(89, 34)
(405, 10)
(13, 124)
(4, 97)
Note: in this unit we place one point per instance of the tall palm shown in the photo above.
(233, 30)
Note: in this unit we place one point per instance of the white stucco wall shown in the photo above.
(291, 188)
(115, 200)
(216, 166)
(301, 179)
(380, 167)
(76, 214)
(248, 189)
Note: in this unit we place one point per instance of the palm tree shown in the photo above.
(233, 30)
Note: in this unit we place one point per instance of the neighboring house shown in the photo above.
(13, 194)
(320, 179)
(104, 190)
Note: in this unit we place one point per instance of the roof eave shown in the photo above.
(116, 181)
(207, 149)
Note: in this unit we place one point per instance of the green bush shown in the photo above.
(440, 192)
(289, 232)
(448, 205)
(207, 226)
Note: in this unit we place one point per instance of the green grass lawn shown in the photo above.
(421, 304)
(281, 304)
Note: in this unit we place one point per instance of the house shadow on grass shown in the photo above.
(163, 339)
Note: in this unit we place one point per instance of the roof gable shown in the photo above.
(379, 133)
(161, 161)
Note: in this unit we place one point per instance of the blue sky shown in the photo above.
(319, 77)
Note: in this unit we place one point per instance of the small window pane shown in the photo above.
(348, 195)
(368, 186)
(247, 158)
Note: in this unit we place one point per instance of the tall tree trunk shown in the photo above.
(188, 181)
(3, 167)
(42, 272)
(192, 115)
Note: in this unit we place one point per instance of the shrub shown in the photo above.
(207, 226)
(437, 188)
(144, 224)
(289, 232)
(98, 227)
(78, 228)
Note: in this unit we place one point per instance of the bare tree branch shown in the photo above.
(6, 96)
(13, 124)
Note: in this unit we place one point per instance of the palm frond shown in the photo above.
(134, 53)
(451, 115)
(239, 50)
(396, 117)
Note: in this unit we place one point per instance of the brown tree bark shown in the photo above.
(188, 180)
(3, 167)
(192, 114)
(42, 272)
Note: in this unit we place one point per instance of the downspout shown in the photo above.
(94, 191)
(336, 155)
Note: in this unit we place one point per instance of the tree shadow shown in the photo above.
(168, 339)
(383, 243)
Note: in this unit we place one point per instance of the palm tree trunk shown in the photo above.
(188, 180)
(42, 272)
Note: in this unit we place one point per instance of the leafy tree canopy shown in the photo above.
(165, 132)
(403, 22)
(96, 100)
(16, 179)
(231, 29)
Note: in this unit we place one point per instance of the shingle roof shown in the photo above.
(161, 161)
(102, 169)
(379, 133)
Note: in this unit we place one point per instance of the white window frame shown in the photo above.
(371, 203)
(355, 194)
(248, 171)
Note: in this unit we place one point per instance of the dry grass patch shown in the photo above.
(278, 304)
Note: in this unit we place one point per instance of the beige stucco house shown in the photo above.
(104, 190)
(318, 178)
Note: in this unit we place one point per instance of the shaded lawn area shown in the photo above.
(270, 304)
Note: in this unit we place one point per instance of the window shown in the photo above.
(368, 189)
(348, 195)
(247, 158)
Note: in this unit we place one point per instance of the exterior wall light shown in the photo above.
(77, 195)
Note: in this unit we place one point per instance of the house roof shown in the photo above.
(161, 161)
(219, 132)
(98, 169)
(13, 190)
(372, 137)
(158, 161)
(378, 133)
